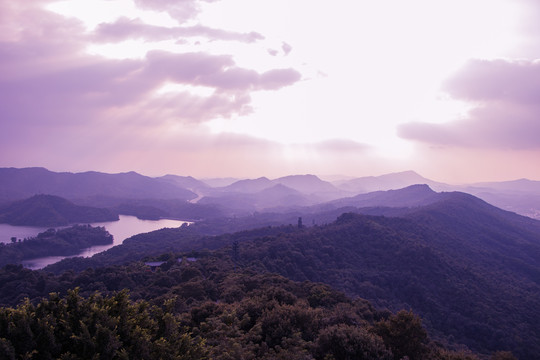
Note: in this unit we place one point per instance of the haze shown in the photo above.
(248, 88)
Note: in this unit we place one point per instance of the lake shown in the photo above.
(122, 229)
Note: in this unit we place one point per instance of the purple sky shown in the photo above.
(246, 88)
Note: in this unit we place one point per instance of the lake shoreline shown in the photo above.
(126, 227)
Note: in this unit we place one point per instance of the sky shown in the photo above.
(250, 88)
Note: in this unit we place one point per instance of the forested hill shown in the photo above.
(470, 270)
(61, 242)
(202, 308)
(49, 210)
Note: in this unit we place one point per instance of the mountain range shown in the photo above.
(392, 181)
(471, 270)
(17, 184)
(185, 197)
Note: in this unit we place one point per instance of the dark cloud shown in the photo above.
(506, 108)
(125, 28)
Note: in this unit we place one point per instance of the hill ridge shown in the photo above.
(50, 210)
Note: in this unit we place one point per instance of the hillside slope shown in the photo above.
(387, 182)
(411, 196)
(204, 308)
(49, 210)
(471, 270)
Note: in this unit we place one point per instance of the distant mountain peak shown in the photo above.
(422, 188)
(249, 185)
(410, 196)
(392, 181)
(307, 184)
(21, 183)
(262, 179)
(300, 176)
(279, 189)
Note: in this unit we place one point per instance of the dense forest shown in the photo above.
(469, 270)
(67, 241)
(204, 307)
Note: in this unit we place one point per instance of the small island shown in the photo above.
(62, 242)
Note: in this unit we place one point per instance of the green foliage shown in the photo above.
(347, 342)
(503, 355)
(191, 310)
(470, 271)
(68, 241)
(95, 328)
(404, 334)
(471, 284)
(185, 238)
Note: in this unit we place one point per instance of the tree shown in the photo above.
(347, 342)
(97, 327)
(503, 355)
(403, 334)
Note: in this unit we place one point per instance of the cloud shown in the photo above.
(506, 108)
(44, 43)
(181, 10)
(125, 28)
(218, 71)
(286, 48)
(497, 80)
(528, 24)
(95, 86)
(46, 78)
(62, 107)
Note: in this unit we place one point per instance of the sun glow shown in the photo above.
(169, 87)
(130, 49)
(366, 66)
(95, 12)
(384, 69)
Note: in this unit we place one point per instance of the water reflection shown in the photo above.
(122, 229)
(18, 232)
